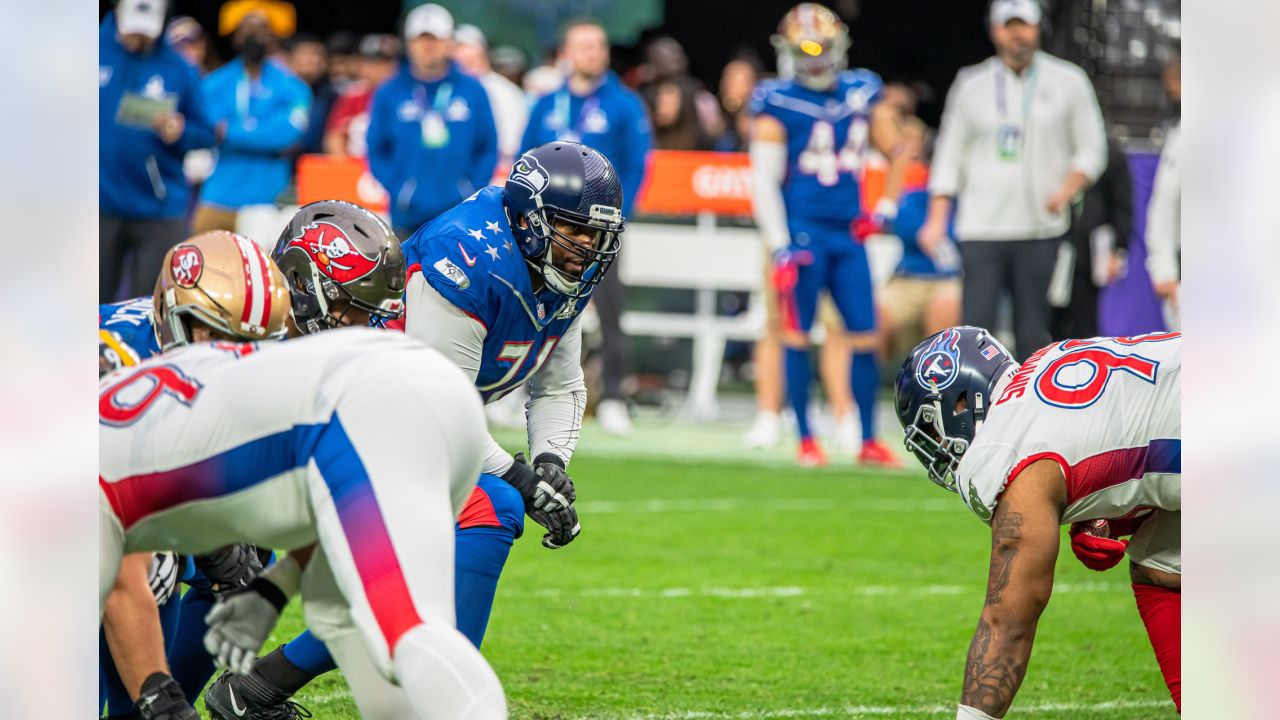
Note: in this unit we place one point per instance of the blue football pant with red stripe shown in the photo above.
(828, 258)
(479, 556)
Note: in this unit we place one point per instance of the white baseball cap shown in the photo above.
(429, 19)
(470, 35)
(1002, 11)
(144, 17)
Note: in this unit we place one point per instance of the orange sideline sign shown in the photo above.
(678, 183)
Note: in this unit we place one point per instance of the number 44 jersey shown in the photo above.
(827, 135)
(1107, 410)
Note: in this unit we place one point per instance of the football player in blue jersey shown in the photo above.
(809, 135)
(497, 285)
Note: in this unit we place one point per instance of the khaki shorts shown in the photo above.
(903, 301)
(828, 314)
(1158, 543)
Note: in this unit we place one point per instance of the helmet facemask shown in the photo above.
(605, 225)
(813, 63)
(313, 299)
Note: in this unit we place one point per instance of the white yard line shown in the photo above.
(858, 711)
(848, 711)
(784, 505)
(742, 593)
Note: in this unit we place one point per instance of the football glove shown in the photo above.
(786, 268)
(1093, 545)
(162, 576)
(877, 223)
(562, 525)
(230, 568)
(544, 485)
(162, 699)
(241, 621)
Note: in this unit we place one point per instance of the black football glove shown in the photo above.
(230, 568)
(548, 497)
(544, 485)
(562, 525)
(162, 699)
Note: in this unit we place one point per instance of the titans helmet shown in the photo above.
(334, 250)
(565, 182)
(812, 45)
(943, 394)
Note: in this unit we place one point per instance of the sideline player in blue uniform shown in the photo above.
(497, 285)
(809, 136)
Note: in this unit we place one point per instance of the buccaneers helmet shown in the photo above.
(565, 182)
(223, 281)
(944, 392)
(812, 45)
(334, 250)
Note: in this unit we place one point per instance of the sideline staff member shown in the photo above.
(1021, 137)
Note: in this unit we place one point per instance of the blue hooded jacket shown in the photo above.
(426, 176)
(139, 176)
(611, 118)
(265, 119)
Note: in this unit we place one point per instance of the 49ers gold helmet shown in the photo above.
(813, 46)
(223, 281)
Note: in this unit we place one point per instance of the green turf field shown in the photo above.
(729, 589)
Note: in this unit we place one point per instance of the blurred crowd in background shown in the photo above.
(189, 137)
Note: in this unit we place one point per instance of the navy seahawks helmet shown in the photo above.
(565, 182)
(943, 393)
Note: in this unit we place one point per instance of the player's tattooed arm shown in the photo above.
(1024, 549)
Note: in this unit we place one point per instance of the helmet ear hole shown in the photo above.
(962, 403)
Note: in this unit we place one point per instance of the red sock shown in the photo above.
(1161, 611)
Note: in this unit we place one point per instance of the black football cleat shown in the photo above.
(249, 697)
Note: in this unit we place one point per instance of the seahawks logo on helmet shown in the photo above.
(528, 172)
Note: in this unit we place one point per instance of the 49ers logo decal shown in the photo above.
(186, 266)
(333, 253)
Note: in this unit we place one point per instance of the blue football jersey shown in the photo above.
(470, 257)
(827, 140)
(133, 321)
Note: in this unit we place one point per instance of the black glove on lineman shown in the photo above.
(544, 485)
(548, 497)
(162, 699)
(231, 567)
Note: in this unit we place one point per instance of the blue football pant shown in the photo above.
(828, 258)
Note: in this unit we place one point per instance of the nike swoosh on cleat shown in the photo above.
(239, 711)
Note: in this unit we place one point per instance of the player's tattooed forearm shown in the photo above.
(990, 680)
(1005, 527)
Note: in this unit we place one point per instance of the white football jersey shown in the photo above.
(1107, 410)
(210, 444)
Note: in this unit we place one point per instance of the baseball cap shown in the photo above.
(1002, 11)
(183, 29)
(143, 17)
(380, 47)
(429, 19)
(471, 35)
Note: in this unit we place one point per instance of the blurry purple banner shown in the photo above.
(1129, 306)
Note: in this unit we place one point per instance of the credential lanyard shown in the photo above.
(589, 105)
(1010, 135)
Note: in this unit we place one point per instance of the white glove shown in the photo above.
(162, 576)
(239, 625)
